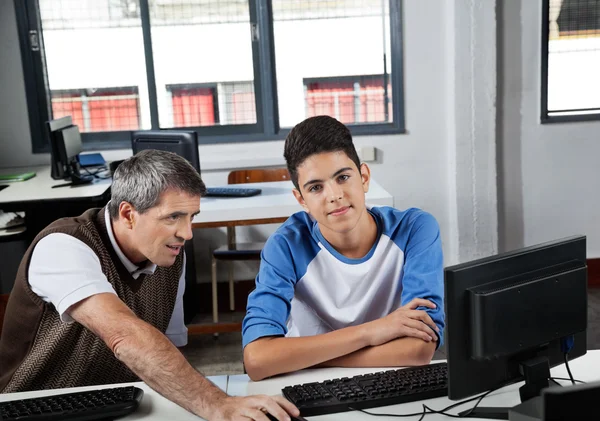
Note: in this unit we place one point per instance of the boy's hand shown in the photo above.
(405, 321)
(254, 408)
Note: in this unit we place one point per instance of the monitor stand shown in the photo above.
(536, 372)
(73, 174)
(81, 179)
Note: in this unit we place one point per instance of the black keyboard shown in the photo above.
(100, 404)
(370, 390)
(231, 192)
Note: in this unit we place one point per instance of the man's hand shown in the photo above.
(254, 408)
(405, 321)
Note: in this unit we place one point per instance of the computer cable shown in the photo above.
(427, 410)
(98, 171)
(566, 344)
(568, 368)
(564, 378)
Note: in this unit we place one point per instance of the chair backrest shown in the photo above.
(258, 175)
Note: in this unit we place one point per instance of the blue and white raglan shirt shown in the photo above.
(305, 287)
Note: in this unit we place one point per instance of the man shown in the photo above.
(98, 298)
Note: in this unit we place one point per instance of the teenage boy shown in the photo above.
(343, 284)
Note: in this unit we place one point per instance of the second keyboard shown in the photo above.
(370, 390)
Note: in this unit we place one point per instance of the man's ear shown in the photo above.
(300, 199)
(126, 214)
(365, 175)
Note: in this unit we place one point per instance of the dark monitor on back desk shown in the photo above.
(184, 144)
(512, 316)
(65, 147)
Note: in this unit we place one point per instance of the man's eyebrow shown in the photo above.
(175, 213)
(338, 172)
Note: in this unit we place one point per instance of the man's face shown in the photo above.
(333, 191)
(160, 233)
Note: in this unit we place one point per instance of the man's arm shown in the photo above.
(268, 356)
(150, 355)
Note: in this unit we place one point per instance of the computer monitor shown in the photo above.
(65, 147)
(509, 314)
(183, 143)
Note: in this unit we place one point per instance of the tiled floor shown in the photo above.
(224, 355)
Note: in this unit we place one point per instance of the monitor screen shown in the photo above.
(514, 311)
(183, 143)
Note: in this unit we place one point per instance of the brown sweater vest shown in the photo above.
(39, 351)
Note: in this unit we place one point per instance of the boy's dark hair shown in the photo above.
(316, 135)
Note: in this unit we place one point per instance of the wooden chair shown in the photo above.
(245, 251)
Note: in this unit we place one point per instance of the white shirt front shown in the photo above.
(64, 271)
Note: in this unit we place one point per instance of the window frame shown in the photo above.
(545, 118)
(267, 125)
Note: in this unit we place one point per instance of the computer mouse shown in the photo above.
(298, 418)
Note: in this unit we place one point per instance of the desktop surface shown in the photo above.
(153, 406)
(40, 189)
(586, 368)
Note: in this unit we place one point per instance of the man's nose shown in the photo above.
(185, 231)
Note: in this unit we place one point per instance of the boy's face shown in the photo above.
(332, 190)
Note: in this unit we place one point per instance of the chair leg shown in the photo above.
(231, 295)
(215, 306)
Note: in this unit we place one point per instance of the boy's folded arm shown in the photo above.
(401, 352)
(269, 356)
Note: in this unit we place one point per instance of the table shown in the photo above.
(44, 204)
(37, 191)
(586, 368)
(153, 405)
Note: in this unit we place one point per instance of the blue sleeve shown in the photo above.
(269, 304)
(423, 275)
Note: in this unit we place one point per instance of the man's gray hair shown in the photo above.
(141, 179)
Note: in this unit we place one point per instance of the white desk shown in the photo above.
(586, 368)
(274, 205)
(38, 189)
(153, 406)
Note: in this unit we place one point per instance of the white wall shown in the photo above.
(445, 163)
(550, 172)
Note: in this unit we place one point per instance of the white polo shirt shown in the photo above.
(64, 270)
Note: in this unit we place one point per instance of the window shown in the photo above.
(196, 105)
(99, 110)
(570, 60)
(232, 70)
(355, 99)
